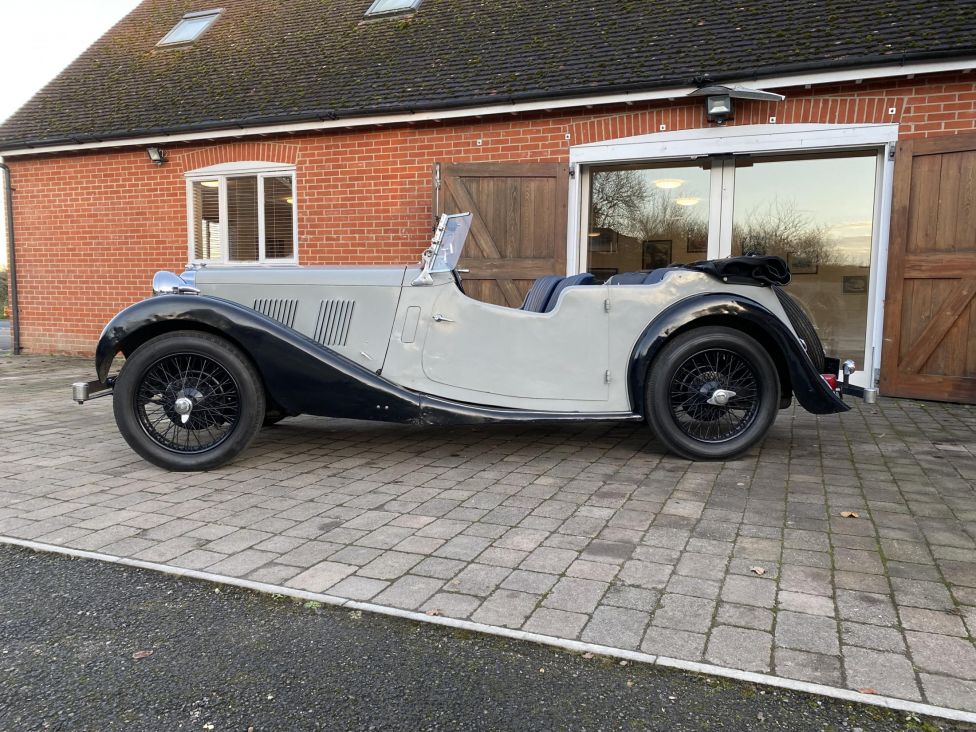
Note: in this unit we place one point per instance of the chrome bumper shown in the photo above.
(82, 391)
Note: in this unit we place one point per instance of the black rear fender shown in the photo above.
(797, 374)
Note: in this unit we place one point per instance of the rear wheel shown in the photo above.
(188, 401)
(711, 393)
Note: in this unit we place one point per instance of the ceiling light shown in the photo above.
(668, 182)
(210, 183)
(289, 200)
(687, 200)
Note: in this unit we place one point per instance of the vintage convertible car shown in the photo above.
(704, 353)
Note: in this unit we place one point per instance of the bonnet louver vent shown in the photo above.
(281, 310)
(332, 325)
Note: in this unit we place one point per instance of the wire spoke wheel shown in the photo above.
(187, 402)
(714, 395)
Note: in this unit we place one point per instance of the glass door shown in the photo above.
(817, 211)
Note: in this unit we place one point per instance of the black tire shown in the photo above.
(686, 373)
(214, 380)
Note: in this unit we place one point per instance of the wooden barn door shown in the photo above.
(930, 309)
(518, 232)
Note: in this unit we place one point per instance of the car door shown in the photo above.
(497, 352)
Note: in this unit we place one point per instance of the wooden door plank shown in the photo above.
(955, 304)
(481, 235)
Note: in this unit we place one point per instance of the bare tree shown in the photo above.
(618, 197)
(782, 228)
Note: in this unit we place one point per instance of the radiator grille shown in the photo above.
(281, 310)
(332, 325)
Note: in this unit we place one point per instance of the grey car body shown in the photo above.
(404, 343)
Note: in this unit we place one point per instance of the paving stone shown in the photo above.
(861, 582)
(537, 583)
(358, 588)
(648, 575)
(684, 613)
(309, 553)
(693, 586)
(478, 579)
(439, 568)
(949, 692)
(274, 574)
(635, 598)
(576, 595)
(321, 576)
(942, 654)
(502, 557)
(866, 607)
(557, 623)
(749, 591)
(522, 539)
(872, 636)
(241, 563)
(390, 565)
(409, 592)
(744, 616)
(739, 648)
(616, 627)
(887, 673)
(803, 603)
(197, 559)
(608, 551)
(674, 643)
(803, 632)
(814, 667)
(702, 566)
(808, 580)
(592, 570)
(419, 544)
(921, 593)
(463, 547)
(506, 608)
(546, 559)
(350, 555)
(452, 604)
(237, 541)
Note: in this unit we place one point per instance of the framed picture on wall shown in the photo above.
(656, 254)
(855, 284)
(801, 264)
(697, 243)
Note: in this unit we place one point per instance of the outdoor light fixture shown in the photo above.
(718, 100)
(156, 154)
(687, 200)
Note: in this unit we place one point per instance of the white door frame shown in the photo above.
(742, 140)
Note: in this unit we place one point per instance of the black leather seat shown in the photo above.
(641, 278)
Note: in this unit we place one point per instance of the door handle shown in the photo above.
(440, 318)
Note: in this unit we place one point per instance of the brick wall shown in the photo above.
(92, 228)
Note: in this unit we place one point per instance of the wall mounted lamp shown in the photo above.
(156, 154)
(719, 106)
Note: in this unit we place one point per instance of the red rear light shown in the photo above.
(831, 381)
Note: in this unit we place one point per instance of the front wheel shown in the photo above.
(188, 401)
(712, 393)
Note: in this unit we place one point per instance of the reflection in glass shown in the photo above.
(206, 220)
(645, 218)
(816, 213)
(242, 219)
(279, 218)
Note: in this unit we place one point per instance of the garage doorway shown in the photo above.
(823, 211)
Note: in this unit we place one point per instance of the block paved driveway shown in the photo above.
(586, 533)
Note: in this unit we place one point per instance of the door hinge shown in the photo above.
(877, 378)
(572, 172)
(606, 376)
(606, 305)
(891, 152)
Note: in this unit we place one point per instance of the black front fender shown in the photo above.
(809, 387)
(302, 376)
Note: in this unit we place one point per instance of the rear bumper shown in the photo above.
(83, 391)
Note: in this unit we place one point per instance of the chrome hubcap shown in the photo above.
(183, 407)
(720, 397)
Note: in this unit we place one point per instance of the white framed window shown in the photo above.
(383, 7)
(190, 27)
(242, 213)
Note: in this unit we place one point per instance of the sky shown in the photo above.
(39, 38)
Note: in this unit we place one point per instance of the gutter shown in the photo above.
(8, 195)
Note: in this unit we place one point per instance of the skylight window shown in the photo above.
(190, 27)
(384, 7)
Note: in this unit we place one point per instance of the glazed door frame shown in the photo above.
(722, 145)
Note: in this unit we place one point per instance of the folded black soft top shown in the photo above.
(748, 270)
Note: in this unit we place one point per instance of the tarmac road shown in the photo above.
(229, 659)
